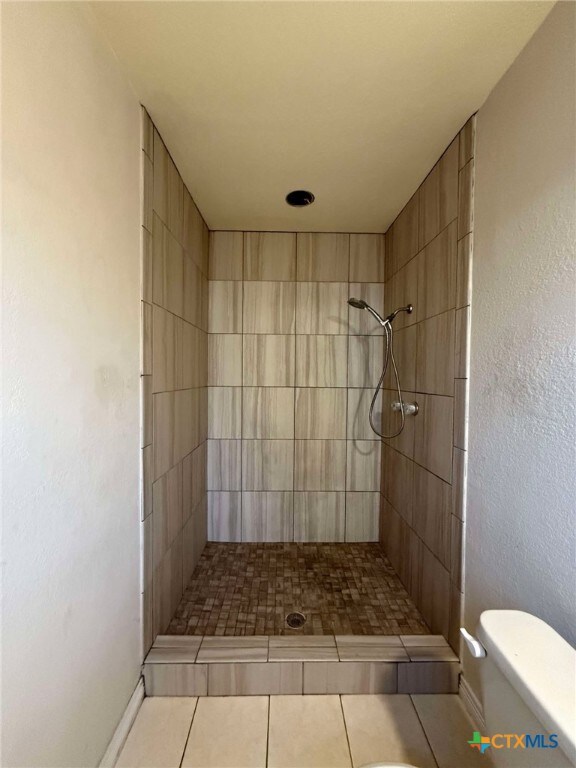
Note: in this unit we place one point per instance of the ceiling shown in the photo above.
(352, 100)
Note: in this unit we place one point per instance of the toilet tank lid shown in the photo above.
(539, 664)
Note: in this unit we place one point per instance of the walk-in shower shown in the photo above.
(399, 406)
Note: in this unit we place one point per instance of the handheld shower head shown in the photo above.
(361, 304)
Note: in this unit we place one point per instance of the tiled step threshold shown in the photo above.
(187, 665)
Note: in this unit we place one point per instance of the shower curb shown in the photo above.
(188, 665)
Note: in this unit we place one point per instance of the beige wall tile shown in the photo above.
(459, 467)
(320, 465)
(224, 466)
(168, 351)
(147, 470)
(432, 512)
(404, 290)
(318, 721)
(466, 199)
(359, 401)
(193, 289)
(319, 516)
(467, 142)
(270, 256)
(363, 465)
(145, 338)
(362, 516)
(168, 189)
(437, 275)
(146, 133)
(428, 677)
(267, 465)
(461, 343)
(267, 413)
(175, 680)
(385, 729)
(322, 257)
(158, 736)
(147, 191)
(269, 307)
(228, 732)
(365, 360)
(167, 506)
(195, 234)
(225, 412)
(404, 442)
(268, 360)
(455, 620)
(464, 271)
(167, 269)
(164, 441)
(433, 435)
(435, 354)
(321, 361)
(226, 253)
(255, 679)
(224, 516)
(366, 258)
(321, 308)
(225, 313)
(361, 322)
(439, 195)
(146, 265)
(456, 538)
(194, 479)
(435, 595)
(145, 411)
(398, 481)
(404, 345)
(224, 360)
(402, 237)
(320, 414)
(350, 677)
(267, 516)
(461, 413)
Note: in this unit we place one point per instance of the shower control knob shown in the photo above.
(410, 409)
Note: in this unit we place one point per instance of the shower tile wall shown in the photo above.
(428, 264)
(174, 395)
(290, 454)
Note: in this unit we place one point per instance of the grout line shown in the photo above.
(189, 732)
(268, 728)
(346, 730)
(423, 730)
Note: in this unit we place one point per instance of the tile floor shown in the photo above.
(248, 589)
(427, 731)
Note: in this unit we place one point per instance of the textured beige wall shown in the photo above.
(174, 292)
(521, 532)
(291, 455)
(428, 265)
(70, 244)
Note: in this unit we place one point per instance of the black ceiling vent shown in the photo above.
(300, 198)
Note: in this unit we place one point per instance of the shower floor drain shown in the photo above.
(295, 620)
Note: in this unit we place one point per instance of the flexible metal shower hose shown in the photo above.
(388, 356)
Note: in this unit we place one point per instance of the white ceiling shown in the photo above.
(352, 100)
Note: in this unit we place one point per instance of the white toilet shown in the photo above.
(528, 677)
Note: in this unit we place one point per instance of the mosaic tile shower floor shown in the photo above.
(248, 589)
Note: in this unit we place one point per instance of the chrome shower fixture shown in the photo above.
(400, 406)
(361, 304)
